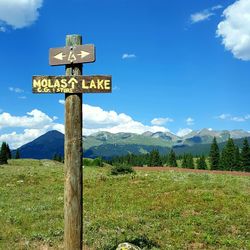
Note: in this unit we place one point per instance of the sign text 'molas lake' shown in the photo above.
(72, 84)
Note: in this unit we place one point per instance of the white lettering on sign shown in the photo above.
(83, 54)
(71, 57)
(60, 56)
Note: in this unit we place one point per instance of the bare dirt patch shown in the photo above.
(197, 171)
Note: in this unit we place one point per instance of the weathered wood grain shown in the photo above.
(73, 229)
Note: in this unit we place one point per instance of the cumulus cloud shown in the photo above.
(128, 56)
(204, 14)
(190, 121)
(16, 140)
(35, 123)
(183, 131)
(230, 117)
(161, 121)
(33, 119)
(19, 13)
(235, 29)
(96, 119)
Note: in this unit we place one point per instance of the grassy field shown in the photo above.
(155, 210)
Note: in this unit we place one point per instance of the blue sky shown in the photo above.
(176, 66)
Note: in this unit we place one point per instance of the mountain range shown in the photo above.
(107, 145)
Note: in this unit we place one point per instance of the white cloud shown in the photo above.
(19, 13)
(190, 121)
(34, 119)
(16, 140)
(230, 117)
(35, 123)
(62, 102)
(128, 56)
(217, 7)
(204, 14)
(183, 131)
(224, 116)
(235, 29)
(96, 119)
(161, 121)
(201, 16)
(16, 90)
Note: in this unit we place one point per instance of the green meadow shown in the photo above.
(153, 210)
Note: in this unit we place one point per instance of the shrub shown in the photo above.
(90, 162)
(121, 169)
(97, 162)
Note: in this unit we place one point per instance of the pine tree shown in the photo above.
(17, 154)
(237, 164)
(155, 159)
(190, 161)
(60, 158)
(228, 156)
(3, 154)
(172, 159)
(8, 151)
(201, 163)
(245, 156)
(55, 157)
(164, 160)
(214, 155)
(184, 161)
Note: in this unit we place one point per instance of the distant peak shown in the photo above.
(53, 132)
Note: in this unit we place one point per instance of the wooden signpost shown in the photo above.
(73, 85)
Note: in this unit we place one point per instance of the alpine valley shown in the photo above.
(107, 145)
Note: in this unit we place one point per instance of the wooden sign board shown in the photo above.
(72, 84)
(72, 55)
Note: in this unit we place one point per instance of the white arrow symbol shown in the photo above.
(83, 54)
(72, 80)
(60, 56)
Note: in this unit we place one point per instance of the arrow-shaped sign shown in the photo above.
(83, 54)
(69, 55)
(72, 80)
(60, 56)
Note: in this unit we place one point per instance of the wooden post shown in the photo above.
(73, 228)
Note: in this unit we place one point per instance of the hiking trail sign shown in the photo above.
(72, 54)
(73, 84)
